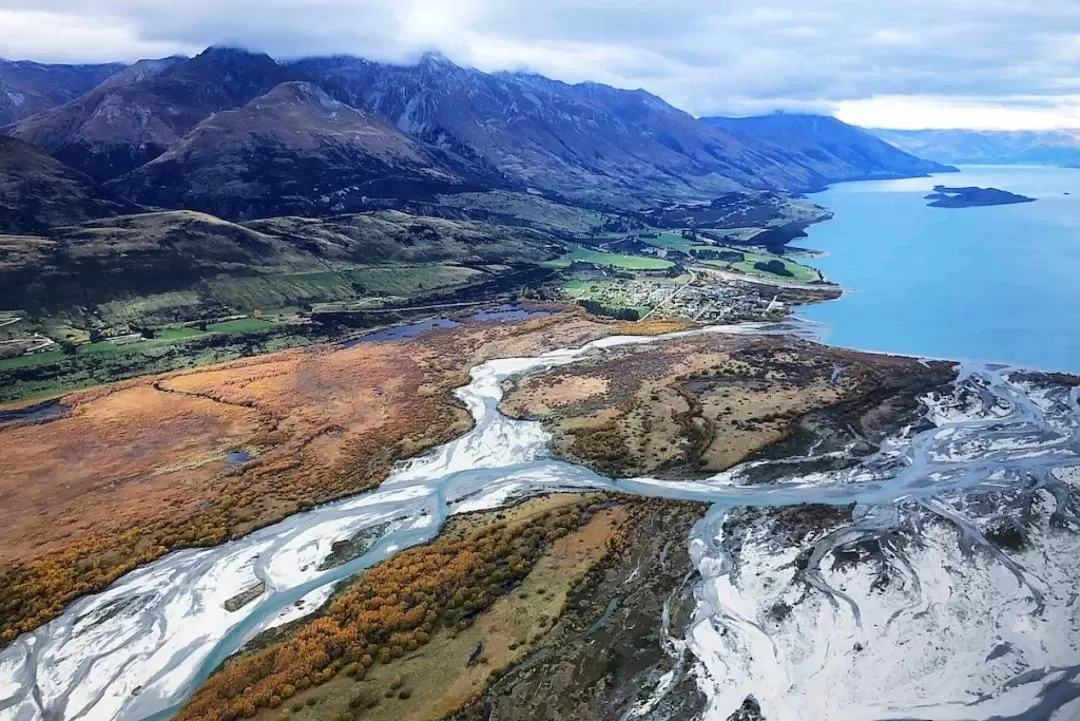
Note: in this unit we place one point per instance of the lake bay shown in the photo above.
(993, 283)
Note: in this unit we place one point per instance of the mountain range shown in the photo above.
(850, 152)
(293, 151)
(139, 113)
(975, 147)
(27, 88)
(238, 134)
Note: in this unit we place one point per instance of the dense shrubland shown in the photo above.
(170, 497)
(392, 610)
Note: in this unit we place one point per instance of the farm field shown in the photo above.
(240, 325)
(39, 375)
(669, 239)
(615, 260)
(795, 272)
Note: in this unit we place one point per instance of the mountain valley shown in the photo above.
(193, 192)
(343, 390)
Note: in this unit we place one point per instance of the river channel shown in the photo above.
(136, 651)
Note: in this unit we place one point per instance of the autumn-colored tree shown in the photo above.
(391, 610)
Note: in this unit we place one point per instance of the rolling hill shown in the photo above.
(182, 265)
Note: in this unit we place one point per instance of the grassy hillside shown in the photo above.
(396, 237)
(519, 209)
(84, 266)
(182, 265)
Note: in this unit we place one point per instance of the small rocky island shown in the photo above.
(970, 197)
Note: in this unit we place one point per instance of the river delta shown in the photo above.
(832, 535)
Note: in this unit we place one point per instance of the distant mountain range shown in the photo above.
(851, 153)
(28, 88)
(1042, 147)
(241, 135)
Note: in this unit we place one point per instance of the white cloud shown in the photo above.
(950, 59)
(65, 37)
(919, 113)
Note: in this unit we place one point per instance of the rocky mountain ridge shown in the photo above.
(293, 151)
(138, 114)
(28, 88)
(586, 143)
(850, 152)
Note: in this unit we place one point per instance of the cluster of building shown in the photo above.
(724, 302)
(705, 300)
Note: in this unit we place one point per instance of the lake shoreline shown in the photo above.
(989, 284)
(827, 379)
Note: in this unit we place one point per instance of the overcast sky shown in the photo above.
(889, 63)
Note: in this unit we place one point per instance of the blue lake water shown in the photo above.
(998, 283)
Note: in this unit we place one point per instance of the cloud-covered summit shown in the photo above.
(991, 63)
